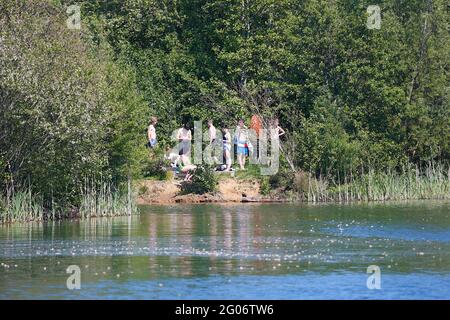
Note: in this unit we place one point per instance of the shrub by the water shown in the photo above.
(155, 168)
(264, 186)
(280, 180)
(203, 181)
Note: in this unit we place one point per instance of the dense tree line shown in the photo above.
(350, 96)
(68, 111)
(76, 102)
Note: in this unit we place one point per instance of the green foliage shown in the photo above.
(68, 111)
(75, 104)
(324, 145)
(21, 206)
(350, 98)
(125, 139)
(282, 179)
(155, 165)
(264, 186)
(203, 181)
(430, 182)
(251, 171)
(103, 199)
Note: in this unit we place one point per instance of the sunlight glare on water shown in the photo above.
(264, 251)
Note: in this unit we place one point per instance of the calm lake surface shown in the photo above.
(242, 251)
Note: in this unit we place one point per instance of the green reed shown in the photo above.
(97, 199)
(103, 199)
(21, 206)
(411, 183)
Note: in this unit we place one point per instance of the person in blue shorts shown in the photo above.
(241, 140)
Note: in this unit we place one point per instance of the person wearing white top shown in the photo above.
(227, 148)
(184, 136)
(241, 139)
(151, 132)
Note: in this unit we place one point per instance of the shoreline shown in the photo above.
(212, 199)
(229, 191)
(232, 191)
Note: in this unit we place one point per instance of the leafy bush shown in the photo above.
(203, 181)
(155, 168)
(283, 179)
(301, 182)
(264, 186)
(67, 110)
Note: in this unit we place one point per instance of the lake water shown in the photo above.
(242, 251)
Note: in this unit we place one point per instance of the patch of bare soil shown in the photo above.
(152, 191)
(166, 192)
(234, 190)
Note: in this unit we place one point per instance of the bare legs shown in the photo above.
(241, 160)
(228, 160)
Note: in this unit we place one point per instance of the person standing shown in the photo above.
(275, 133)
(276, 126)
(256, 125)
(151, 132)
(227, 148)
(184, 136)
(241, 140)
(211, 132)
(212, 139)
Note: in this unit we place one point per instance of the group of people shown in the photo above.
(244, 148)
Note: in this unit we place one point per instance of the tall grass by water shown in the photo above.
(413, 183)
(98, 199)
(21, 206)
(103, 200)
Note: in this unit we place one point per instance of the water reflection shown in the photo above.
(188, 241)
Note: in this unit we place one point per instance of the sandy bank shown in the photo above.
(229, 190)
